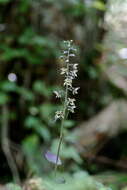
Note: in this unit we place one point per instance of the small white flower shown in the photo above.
(59, 115)
(58, 95)
(68, 82)
(73, 73)
(73, 49)
(70, 76)
(63, 71)
(71, 101)
(71, 108)
(70, 88)
(70, 72)
(75, 90)
(61, 57)
(67, 61)
(65, 52)
(72, 55)
(75, 66)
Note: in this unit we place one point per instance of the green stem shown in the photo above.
(61, 129)
(62, 121)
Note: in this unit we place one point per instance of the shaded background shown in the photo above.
(31, 32)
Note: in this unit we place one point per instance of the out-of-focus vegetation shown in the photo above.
(79, 180)
(31, 32)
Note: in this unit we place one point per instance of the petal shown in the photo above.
(52, 158)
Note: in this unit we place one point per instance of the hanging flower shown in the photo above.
(73, 73)
(63, 71)
(68, 82)
(75, 65)
(75, 90)
(71, 108)
(58, 115)
(58, 95)
(71, 101)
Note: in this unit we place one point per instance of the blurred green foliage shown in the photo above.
(80, 181)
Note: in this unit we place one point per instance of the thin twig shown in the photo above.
(5, 144)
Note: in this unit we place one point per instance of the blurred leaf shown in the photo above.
(8, 54)
(4, 1)
(25, 93)
(76, 10)
(31, 149)
(33, 110)
(29, 34)
(46, 111)
(78, 181)
(67, 152)
(12, 186)
(8, 86)
(38, 126)
(3, 98)
(24, 5)
(93, 73)
(44, 133)
(71, 152)
(32, 122)
(26, 37)
(69, 123)
(31, 143)
(99, 5)
(42, 89)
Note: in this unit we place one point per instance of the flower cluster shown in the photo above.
(69, 70)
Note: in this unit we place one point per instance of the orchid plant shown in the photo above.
(69, 70)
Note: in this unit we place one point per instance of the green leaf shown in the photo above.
(37, 40)
(25, 93)
(99, 5)
(4, 98)
(30, 144)
(32, 122)
(38, 126)
(46, 111)
(67, 152)
(69, 123)
(33, 153)
(41, 88)
(26, 37)
(8, 86)
(11, 53)
(43, 132)
(4, 1)
(24, 5)
(76, 10)
(12, 186)
(71, 152)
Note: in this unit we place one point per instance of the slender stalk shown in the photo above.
(6, 147)
(63, 119)
(70, 73)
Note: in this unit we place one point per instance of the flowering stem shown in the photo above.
(63, 119)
